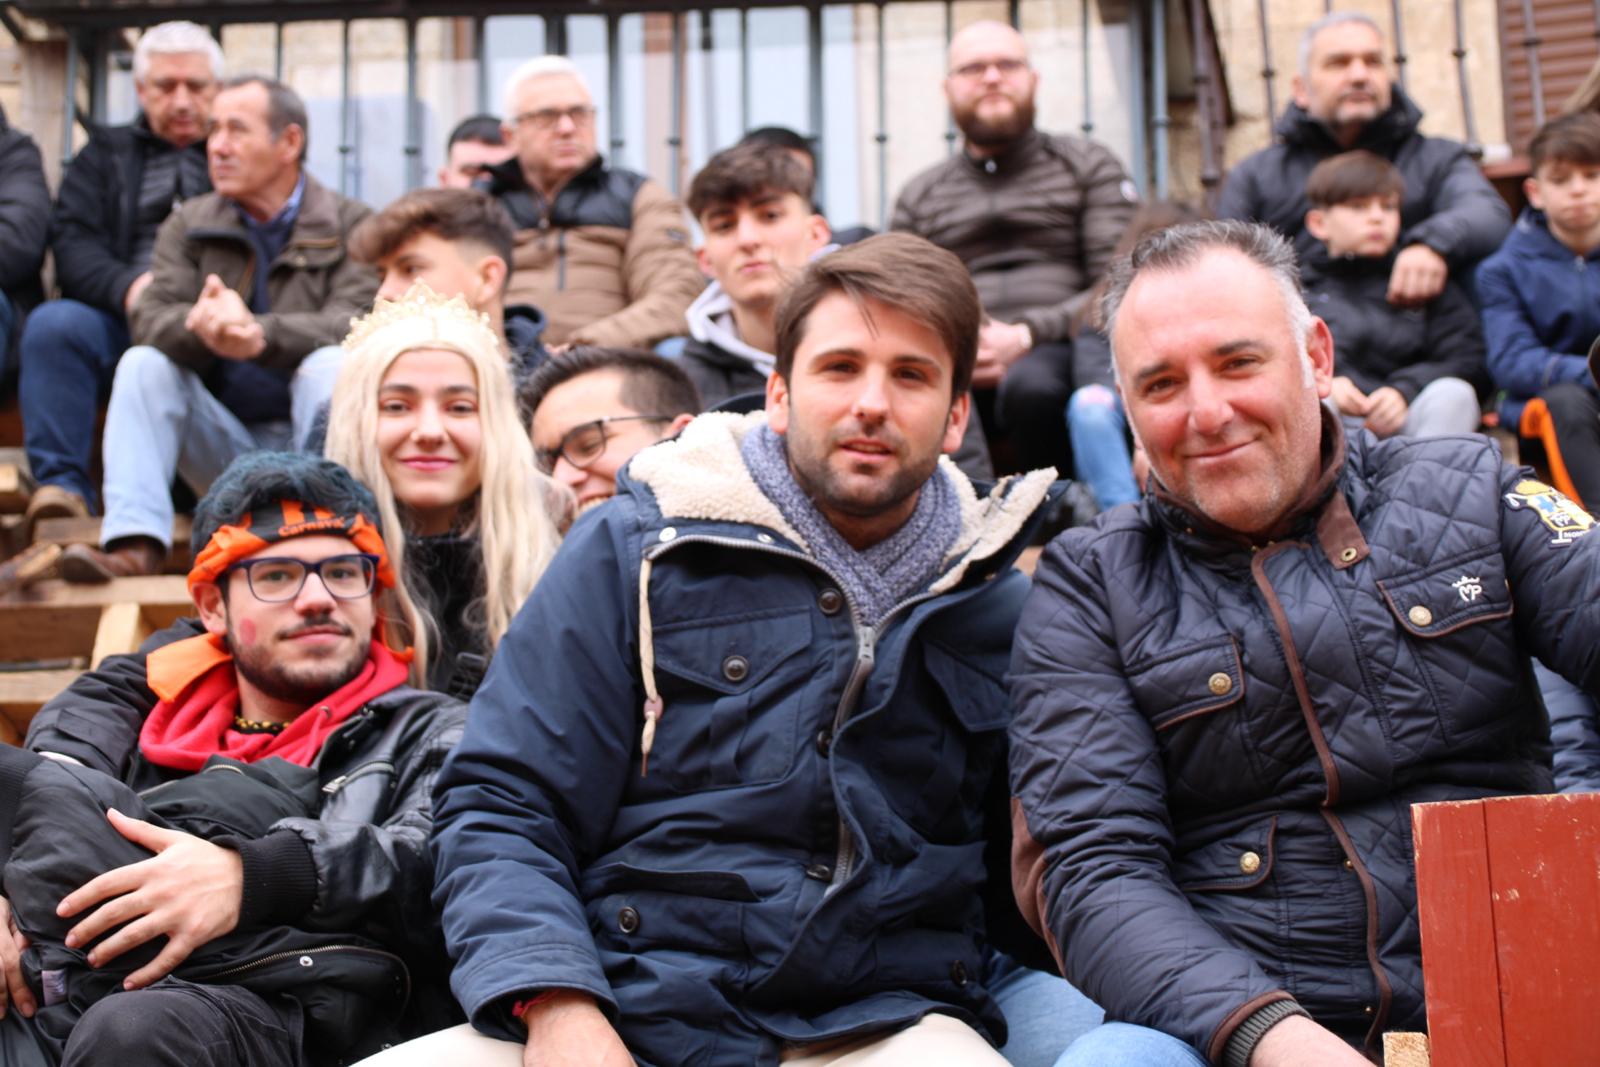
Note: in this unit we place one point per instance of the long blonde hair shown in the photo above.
(515, 533)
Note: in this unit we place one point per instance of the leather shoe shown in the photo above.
(90, 565)
(28, 566)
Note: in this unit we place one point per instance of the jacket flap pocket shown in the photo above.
(713, 885)
(978, 698)
(1191, 681)
(730, 655)
(1239, 861)
(1442, 599)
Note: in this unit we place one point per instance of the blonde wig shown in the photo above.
(508, 515)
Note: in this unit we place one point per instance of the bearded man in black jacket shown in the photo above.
(279, 914)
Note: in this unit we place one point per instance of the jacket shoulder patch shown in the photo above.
(1559, 512)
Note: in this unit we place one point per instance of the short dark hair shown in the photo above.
(1351, 176)
(258, 480)
(901, 271)
(780, 137)
(744, 172)
(651, 385)
(455, 215)
(284, 106)
(477, 129)
(1568, 139)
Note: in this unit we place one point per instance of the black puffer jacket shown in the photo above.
(24, 215)
(1448, 204)
(94, 231)
(1376, 343)
(361, 866)
(1216, 747)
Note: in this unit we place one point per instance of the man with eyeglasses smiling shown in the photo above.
(1035, 216)
(604, 252)
(278, 914)
(592, 409)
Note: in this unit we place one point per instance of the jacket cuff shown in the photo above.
(280, 877)
(1242, 1042)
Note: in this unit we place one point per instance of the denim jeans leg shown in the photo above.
(66, 358)
(1044, 1013)
(1100, 457)
(161, 421)
(311, 389)
(1124, 1045)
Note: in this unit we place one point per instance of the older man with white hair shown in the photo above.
(604, 252)
(114, 196)
(1345, 98)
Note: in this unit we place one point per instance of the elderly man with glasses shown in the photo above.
(604, 252)
(593, 408)
(276, 912)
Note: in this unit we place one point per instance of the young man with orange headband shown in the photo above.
(277, 914)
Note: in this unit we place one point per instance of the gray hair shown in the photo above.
(1177, 247)
(1328, 21)
(539, 67)
(284, 106)
(175, 39)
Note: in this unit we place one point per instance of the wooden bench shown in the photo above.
(63, 628)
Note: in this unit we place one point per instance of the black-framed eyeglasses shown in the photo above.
(546, 118)
(586, 442)
(274, 579)
(976, 70)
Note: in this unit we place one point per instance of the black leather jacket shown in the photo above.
(362, 866)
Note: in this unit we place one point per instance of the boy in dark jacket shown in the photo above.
(1541, 295)
(1397, 370)
(300, 936)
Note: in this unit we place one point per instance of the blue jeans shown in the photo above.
(1100, 457)
(1124, 1045)
(67, 355)
(163, 421)
(1044, 1013)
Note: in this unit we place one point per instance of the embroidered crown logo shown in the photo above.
(1469, 588)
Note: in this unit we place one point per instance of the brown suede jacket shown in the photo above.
(313, 286)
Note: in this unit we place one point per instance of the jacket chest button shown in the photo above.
(1220, 683)
(1420, 616)
(1348, 555)
(627, 920)
(830, 601)
(1348, 865)
(736, 668)
(958, 973)
(1249, 863)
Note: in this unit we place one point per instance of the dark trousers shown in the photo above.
(1029, 404)
(181, 1024)
(1575, 410)
(66, 358)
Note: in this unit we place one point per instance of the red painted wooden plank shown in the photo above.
(1460, 975)
(1544, 864)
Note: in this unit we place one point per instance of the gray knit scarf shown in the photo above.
(880, 576)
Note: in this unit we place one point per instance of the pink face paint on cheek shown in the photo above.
(247, 631)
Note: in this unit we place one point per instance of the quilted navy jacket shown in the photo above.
(1216, 748)
(802, 857)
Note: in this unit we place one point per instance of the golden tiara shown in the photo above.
(421, 318)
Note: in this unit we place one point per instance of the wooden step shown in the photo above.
(52, 619)
(16, 486)
(1405, 1050)
(87, 532)
(24, 692)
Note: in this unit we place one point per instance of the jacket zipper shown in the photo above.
(320, 950)
(866, 657)
(333, 785)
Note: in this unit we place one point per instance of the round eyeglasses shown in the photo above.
(586, 442)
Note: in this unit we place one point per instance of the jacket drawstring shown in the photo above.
(647, 669)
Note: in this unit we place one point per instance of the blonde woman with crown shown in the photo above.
(424, 413)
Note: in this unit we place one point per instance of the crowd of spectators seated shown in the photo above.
(696, 504)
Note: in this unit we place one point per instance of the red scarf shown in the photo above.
(200, 697)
